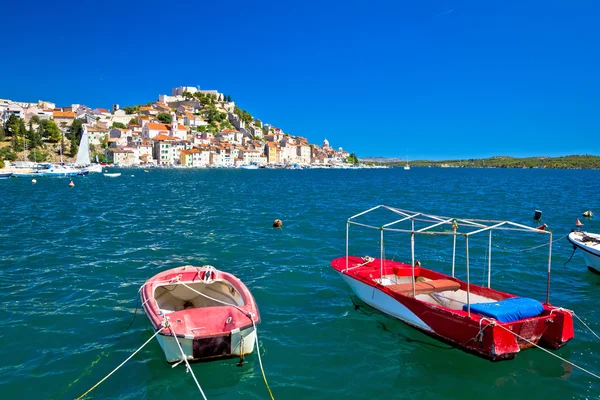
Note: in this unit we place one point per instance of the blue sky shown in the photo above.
(432, 79)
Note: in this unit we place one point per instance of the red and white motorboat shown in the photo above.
(202, 312)
(478, 319)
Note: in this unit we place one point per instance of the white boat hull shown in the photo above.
(591, 251)
(384, 302)
(242, 342)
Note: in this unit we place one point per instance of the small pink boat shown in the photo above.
(203, 313)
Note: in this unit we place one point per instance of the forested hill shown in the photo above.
(568, 162)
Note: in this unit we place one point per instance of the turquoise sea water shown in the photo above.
(72, 260)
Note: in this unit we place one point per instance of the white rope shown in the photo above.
(249, 315)
(576, 316)
(366, 260)
(530, 248)
(262, 370)
(584, 324)
(120, 365)
(549, 352)
(189, 368)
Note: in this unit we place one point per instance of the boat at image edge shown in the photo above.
(476, 319)
(211, 312)
(589, 243)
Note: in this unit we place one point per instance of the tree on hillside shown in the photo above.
(11, 125)
(76, 130)
(164, 118)
(228, 98)
(2, 134)
(51, 131)
(133, 121)
(33, 137)
(119, 125)
(352, 159)
(17, 138)
(128, 110)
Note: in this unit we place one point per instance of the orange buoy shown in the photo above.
(277, 223)
(71, 184)
(542, 227)
(578, 223)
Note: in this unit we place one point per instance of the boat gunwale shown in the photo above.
(152, 311)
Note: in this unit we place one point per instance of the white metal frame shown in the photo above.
(464, 227)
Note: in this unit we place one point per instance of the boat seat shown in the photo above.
(433, 286)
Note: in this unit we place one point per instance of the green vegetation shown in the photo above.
(6, 153)
(133, 121)
(164, 118)
(128, 110)
(119, 125)
(352, 159)
(566, 162)
(243, 114)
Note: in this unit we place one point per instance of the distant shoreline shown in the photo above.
(564, 162)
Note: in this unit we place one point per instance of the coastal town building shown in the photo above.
(193, 138)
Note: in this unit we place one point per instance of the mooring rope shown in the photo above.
(574, 249)
(549, 352)
(529, 248)
(249, 315)
(184, 357)
(584, 324)
(120, 365)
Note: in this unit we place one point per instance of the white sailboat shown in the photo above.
(83, 154)
(406, 167)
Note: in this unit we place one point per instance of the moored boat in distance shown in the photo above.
(112, 175)
(478, 319)
(201, 312)
(6, 175)
(589, 243)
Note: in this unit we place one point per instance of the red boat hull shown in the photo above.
(473, 333)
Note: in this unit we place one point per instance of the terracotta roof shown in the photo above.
(104, 110)
(63, 114)
(228, 131)
(157, 127)
(163, 137)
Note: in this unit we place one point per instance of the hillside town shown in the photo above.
(188, 128)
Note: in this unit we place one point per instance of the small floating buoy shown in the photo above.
(132, 175)
(71, 184)
(277, 223)
(578, 223)
(33, 181)
(542, 227)
(145, 170)
(537, 215)
(588, 214)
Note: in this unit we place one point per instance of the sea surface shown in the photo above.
(73, 259)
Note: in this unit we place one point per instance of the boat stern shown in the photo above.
(560, 329)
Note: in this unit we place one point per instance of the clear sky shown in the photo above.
(431, 79)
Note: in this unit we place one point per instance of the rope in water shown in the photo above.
(184, 357)
(584, 324)
(120, 365)
(530, 248)
(549, 352)
(249, 315)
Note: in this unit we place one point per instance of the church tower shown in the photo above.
(174, 127)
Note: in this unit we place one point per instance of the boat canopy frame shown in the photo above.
(464, 227)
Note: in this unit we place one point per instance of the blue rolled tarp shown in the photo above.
(508, 310)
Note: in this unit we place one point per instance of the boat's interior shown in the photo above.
(444, 292)
(177, 296)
